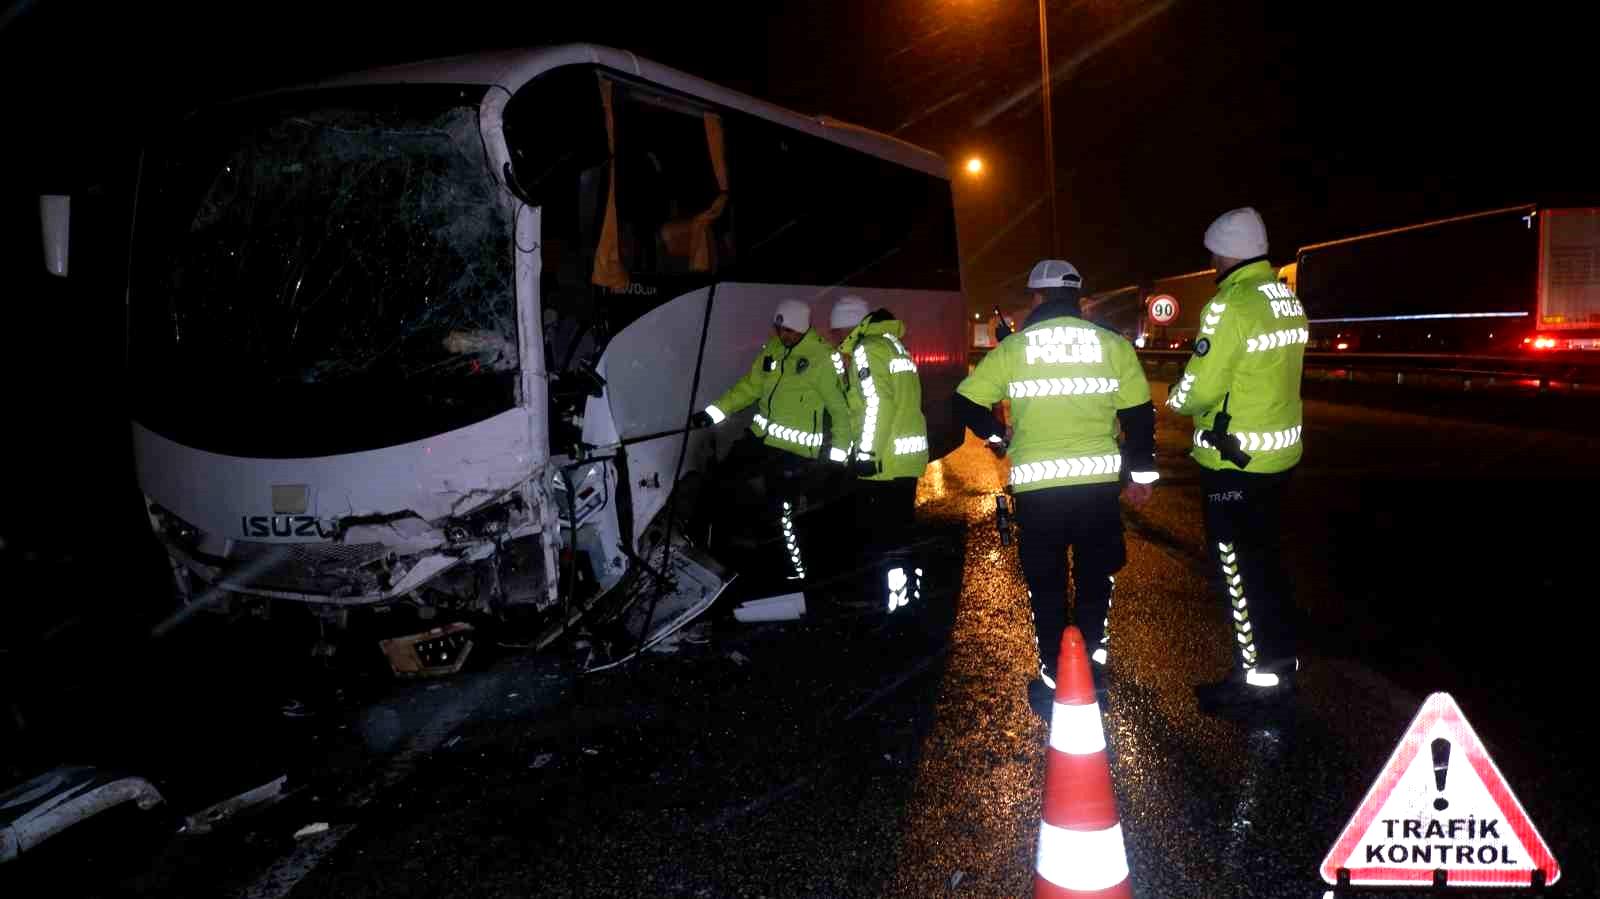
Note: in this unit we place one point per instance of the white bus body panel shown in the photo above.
(444, 475)
(649, 369)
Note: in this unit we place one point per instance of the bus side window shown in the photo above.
(813, 212)
(672, 187)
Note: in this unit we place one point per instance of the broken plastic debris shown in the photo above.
(787, 607)
(439, 651)
(452, 741)
(38, 809)
(668, 644)
(512, 695)
(588, 751)
(203, 821)
(311, 830)
(739, 658)
(542, 759)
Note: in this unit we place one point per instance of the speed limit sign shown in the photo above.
(1163, 309)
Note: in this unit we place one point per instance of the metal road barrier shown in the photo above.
(1564, 373)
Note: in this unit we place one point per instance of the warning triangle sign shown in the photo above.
(1440, 805)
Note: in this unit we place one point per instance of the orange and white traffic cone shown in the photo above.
(1081, 855)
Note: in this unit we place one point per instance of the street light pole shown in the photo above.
(1049, 129)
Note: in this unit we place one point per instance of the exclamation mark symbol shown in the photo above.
(1441, 769)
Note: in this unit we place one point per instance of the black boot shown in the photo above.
(1264, 686)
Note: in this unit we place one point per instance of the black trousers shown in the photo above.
(759, 494)
(1244, 517)
(1088, 519)
(883, 515)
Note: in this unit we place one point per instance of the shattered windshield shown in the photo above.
(325, 243)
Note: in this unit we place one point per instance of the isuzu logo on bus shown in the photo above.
(281, 526)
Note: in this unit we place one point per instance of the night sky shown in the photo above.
(1331, 119)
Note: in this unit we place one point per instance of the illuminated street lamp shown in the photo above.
(974, 166)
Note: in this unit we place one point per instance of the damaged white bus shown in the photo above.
(431, 334)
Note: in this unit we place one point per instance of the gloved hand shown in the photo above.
(700, 419)
(999, 447)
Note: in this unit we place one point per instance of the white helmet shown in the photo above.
(1238, 234)
(793, 314)
(848, 312)
(1055, 273)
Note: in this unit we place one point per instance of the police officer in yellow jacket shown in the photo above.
(1242, 387)
(801, 418)
(890, 437)
(1071, 384)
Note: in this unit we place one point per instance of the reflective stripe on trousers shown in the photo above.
(902, 589)
(786, 520)
(1243, 632)
(1102, 653)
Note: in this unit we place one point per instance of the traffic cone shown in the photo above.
(1081, 855)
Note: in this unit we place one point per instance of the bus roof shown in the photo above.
(511, 69)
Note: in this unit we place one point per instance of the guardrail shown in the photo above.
(1556, 372)
(1564, 372)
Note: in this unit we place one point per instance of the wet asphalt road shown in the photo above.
(895, 756)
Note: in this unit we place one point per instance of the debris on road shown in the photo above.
(739, 658)
(206, 820)
(542, 759)
(35, 810)
(956, 878)
(788, 607)
(432, 653)
(311, 830)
